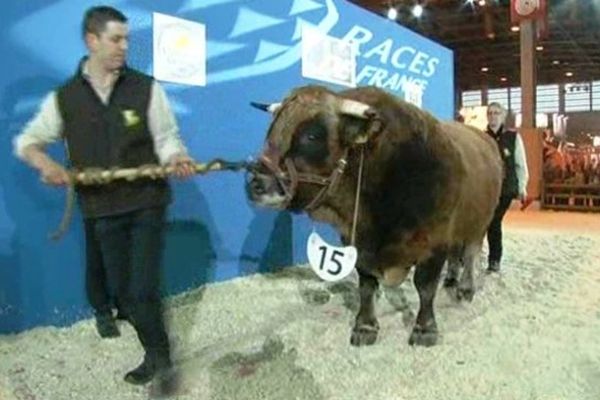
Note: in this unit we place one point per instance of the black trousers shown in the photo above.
(494, 233)
(100, 292)
(131, 248)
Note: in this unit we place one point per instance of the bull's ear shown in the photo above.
(354, 108)
(367, 122)
(359, 130)
(269, 107)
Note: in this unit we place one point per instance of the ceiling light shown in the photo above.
(482, 3)
(392, 13)
(484, 69)
(503, 79)
(515, 28)
(417, 10)
(539, 48)
(555, 62)
(568, 73)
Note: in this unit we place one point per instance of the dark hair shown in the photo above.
(96, 18)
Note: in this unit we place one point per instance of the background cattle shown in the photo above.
(429, 189)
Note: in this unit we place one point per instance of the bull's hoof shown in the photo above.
(364, 335)
(450, 282)
(423, 336)
(465, 294)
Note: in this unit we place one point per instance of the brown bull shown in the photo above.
(428, 193)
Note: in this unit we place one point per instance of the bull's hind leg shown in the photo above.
(455, 263)
(366, 326)
(466, 286)
(427, 276)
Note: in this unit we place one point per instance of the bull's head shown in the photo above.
(309, 137)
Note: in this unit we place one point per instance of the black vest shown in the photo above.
(110, 136)
(506, 146)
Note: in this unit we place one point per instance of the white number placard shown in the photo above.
(330, 263)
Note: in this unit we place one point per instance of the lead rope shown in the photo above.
(95, 176)
(357, 198)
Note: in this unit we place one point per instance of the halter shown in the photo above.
(289, 179)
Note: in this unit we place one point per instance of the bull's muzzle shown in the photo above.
(263, 188)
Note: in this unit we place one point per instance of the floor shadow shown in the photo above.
(349, 292)
(270, 374)
(268, 245)
(189, 256)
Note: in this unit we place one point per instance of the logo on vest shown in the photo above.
(130, 118)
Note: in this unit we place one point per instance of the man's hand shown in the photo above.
(525, 201)
(53, 174)
(183, 164)
(522, 197)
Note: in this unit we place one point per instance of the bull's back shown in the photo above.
(476, 181)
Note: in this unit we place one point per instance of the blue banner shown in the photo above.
(253, 54)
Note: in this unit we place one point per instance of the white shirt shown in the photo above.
(521, 165)
(47, 125)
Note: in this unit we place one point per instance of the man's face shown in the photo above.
(495, 117)
(109, 48)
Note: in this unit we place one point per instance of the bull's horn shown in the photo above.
(272, 107)
(352, 107)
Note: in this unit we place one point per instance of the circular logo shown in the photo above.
(178, 47)
(526, 7)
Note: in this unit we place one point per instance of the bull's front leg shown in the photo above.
(427, 276)
(366, 326)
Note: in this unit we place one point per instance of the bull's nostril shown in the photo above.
(257, 187)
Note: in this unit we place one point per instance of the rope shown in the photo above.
(96, 176)
(357, 198)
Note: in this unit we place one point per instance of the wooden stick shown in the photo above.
(94, 176)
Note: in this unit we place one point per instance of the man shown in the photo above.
(515, 180)
(113, 116)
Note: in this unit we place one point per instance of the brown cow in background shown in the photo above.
(428, 193)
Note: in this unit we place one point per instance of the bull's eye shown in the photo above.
(313, 133)
(312, 136)
(310, 142)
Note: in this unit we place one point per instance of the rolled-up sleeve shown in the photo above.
(44, 128)
(521, 165)
(163, 126)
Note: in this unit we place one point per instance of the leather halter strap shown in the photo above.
(290, 178)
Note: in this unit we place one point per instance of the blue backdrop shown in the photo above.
(253, 53)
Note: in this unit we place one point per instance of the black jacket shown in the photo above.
(506, 141)
(110, 136)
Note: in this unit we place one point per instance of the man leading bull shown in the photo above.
(110, 115)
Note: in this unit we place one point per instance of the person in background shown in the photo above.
(110, 115)
(514, 185)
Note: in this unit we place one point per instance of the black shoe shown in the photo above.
(145, 372)
(122, 316)
(106, 326)
(493, 266)
(141, 375)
